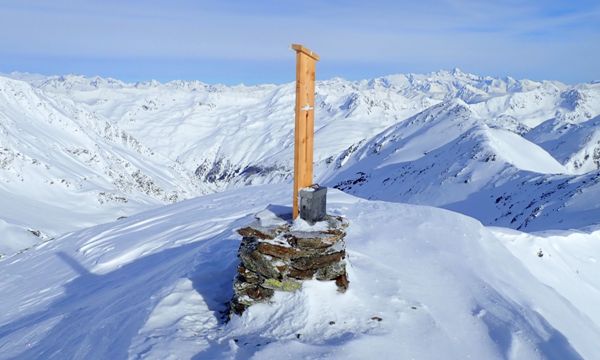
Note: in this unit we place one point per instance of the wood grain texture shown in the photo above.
(308, 52)
(304, 121)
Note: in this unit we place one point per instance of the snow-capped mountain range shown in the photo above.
(77, 151)
(153, 280)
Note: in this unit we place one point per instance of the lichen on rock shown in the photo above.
(274, 257)
(283, 285)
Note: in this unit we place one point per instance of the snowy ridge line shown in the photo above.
(111, 149)
(447, 156)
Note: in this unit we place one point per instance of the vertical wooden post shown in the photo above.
(305, 121)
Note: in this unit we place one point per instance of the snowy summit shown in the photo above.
(472, 204)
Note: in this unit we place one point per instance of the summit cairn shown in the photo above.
(277, 254)
(279, 250)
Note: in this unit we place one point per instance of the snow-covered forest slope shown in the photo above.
(77, 151)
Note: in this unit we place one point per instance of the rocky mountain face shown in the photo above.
(509, 152)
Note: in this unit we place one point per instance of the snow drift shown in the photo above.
(425, 283)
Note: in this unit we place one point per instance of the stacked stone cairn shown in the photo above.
(277, 255)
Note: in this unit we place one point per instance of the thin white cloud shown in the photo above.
(484, 36)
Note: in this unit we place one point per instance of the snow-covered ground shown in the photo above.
(426, 283)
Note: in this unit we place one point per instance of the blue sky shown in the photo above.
(249, 41)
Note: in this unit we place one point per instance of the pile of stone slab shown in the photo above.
(277, 255)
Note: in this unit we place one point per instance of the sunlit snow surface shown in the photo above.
(78, 151)
(425, 283)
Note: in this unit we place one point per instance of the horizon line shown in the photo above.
(22, 75)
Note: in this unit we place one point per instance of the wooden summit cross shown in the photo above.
(305, 121)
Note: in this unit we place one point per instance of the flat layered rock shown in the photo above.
(258, 263)
(331, 272)
(278, 251)
(276, 255)
(247, 276)
(301, 274)
(317, 262)
(315, 240)
(262, 232)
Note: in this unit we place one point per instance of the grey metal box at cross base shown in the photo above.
(313, 203)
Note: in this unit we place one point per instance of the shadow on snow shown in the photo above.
(99, 315)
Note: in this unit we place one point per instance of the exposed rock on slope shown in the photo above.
(114, 148)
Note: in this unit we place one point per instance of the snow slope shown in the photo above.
(63, 168)
(82, 151)
(568, 262)
(450, 157)
(155, 286)
(576, 145)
